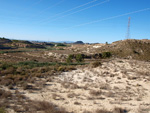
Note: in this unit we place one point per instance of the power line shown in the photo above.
(71, 9)
(27, 8)
(82, 9)
(54, 5)
(36, 3)
(125, 14)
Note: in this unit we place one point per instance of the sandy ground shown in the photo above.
(117, 83)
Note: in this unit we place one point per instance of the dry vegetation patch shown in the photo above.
(89, 89)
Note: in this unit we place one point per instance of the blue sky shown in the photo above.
(71, 20)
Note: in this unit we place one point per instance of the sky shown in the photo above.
(91, 21)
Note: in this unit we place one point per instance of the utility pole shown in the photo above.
(128, 29)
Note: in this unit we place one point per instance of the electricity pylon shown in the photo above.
(128, 29)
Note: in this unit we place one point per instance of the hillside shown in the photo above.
(17, 44)
(130, 48)
(3, 47)
(4, 41)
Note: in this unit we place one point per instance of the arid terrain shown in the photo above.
(38, 77)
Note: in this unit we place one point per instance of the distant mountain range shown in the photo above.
(62, 41)
(42, 40)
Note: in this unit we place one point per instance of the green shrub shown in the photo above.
(5, 66)
(79, 58)
(60, 44)
(69, 59)
(9, 70)
(2, 110)
(32, 64)
(106, 54)
(61, 68)
(61, 49)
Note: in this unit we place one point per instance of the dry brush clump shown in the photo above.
(105, 86)
(4, 97)
(110, 94)
(45, 107)
(71, 95)
(96, 64)
(119, 110)
(102, 111)
(95, 92)
(77, 103)
(115, 110)
(70, 85)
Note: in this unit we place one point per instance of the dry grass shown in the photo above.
(96, 64)
(116, 110)
(46, 107)
(77, 103)
(105, 86)
(2, 110)
(14, 74)
(96, 92)
(71, 95)
(103, 111)
(22, 104)
(70, 85)
(119, 110)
